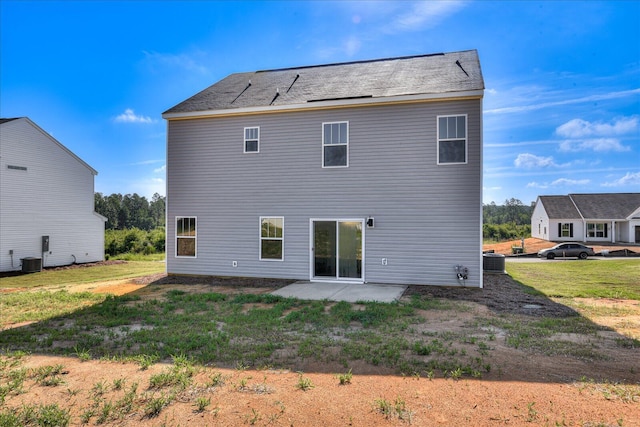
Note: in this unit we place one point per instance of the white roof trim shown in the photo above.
(634, 214)
(102, 217)
(340, 103)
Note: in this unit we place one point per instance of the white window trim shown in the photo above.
(260, 238)
(335, 145)
(313, 278)
(465, 139)
(244, 146)
(598, 227)
(175, 232)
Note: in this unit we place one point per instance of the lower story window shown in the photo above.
(597, 229)
(272, 238)
(565, 230)
(186, 236)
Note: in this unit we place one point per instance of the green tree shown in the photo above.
(506, 222)
(157, 210)
(131, 210)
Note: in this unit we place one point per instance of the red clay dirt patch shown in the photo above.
(533, 245)
(275, 398)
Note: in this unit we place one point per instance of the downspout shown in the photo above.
(584, 222)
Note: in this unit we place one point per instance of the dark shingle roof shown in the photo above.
(607, 206)
(416, 75)
(604, 206)
(559, 207)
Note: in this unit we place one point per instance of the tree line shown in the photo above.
(131, 211)
(512, 211)
(509, 221)
(134, 224)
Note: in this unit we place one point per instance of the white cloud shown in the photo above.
(146, 162)
(161, 169)
(536, 185)
(424, 14)
(583, 100)
(561, 182)
(596, 136)
(130, 117)
(578, 128)
(531, 161)
(492, 91)
(631, 178)
(598, 145)
(565, 182)
(520, 143)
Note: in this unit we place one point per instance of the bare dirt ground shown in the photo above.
(533, 245)
(523, 387)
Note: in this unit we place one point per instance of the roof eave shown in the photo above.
(330, 104)
(634, 214)
(61, 145)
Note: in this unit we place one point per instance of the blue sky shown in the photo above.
(561, 106)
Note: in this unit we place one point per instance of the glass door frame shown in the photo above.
(337, 278)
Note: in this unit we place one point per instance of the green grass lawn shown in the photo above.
(83, 275)
(264, 330)
(246, 329)
(572, 279)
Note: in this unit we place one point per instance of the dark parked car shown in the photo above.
(567, 250)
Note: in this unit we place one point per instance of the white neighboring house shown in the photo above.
(606, 217)
(46, 200)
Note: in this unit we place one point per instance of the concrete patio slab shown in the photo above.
(348, 292)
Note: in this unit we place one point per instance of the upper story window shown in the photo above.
(186, 236)
(335, 144)
(452, 139)
(252, 140)
(272, 238)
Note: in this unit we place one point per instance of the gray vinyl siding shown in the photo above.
(53, 197)
(427, 216)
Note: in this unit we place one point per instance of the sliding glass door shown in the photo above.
(337, 249)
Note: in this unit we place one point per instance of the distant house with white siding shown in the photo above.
(46, 200)
(604, 217)
(367, 171)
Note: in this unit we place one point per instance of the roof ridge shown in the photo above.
(602, 194)
(419, 77)
(576, 205)
(362, 61)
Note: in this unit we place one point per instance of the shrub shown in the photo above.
(157, 238)
(507, 231)
(134, 241)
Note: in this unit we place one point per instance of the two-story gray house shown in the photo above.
(368, 171)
